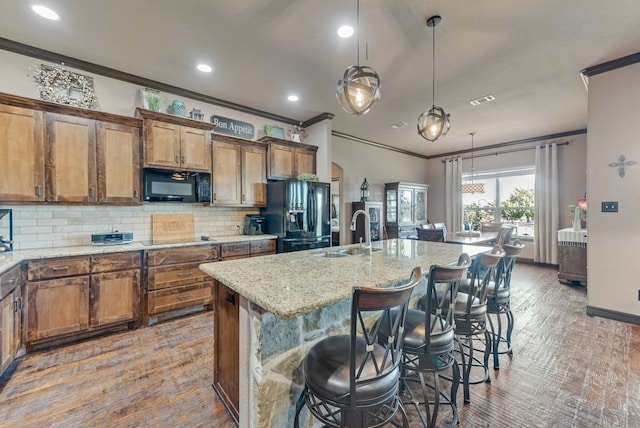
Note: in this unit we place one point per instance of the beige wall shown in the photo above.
(613, 237)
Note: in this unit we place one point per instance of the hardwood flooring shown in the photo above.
(568, 370)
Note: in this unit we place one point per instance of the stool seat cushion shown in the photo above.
(415, 336)
(503, 293)
(478, 311)
(326, 369)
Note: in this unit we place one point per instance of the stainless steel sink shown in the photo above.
(331, 254)
(360, 251)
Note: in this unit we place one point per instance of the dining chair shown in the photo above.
(490, 227)
(434, 235)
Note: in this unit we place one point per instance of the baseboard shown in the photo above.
(614, 315)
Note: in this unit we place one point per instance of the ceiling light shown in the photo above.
(398, 125)
(482, 100)
(360, 86)
(435, 122)
(472, 187)
(293, 98)
(345, 31)
(205, 68)
(45, 12)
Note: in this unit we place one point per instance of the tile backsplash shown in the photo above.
(49, 226)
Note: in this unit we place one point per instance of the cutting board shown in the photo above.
(172, 228)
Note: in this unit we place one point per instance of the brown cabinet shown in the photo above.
(21, 142)
(10, 316)
(572, 259)
(73, 295)
(287, 159)
(175, 281)
(239, 172)
(173, 142)
(405, 208)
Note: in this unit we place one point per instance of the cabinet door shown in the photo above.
(10, 327)
(118, 163)
(281, 161)
(22, 152)
(70, 159)
(405, 208)
(305, 161)
(196, 149)
(226, 178)
(254, 176)
(56, 307)
(420, 206)
(161, 144)
(115, 297)
(226, 347)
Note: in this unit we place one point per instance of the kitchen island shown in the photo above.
(271, 309)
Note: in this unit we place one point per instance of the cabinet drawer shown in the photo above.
(162, 277)
(56, 268)
(114, 262)
(9, 281)
(235, 250)
(168, 256)
(180, 297)
(263, 247)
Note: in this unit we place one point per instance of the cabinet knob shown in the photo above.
(177, 159)
(182, 159)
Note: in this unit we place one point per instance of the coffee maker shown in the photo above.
(253, 224)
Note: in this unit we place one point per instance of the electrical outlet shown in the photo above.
(610, 207)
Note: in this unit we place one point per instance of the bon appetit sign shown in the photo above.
(233, 127)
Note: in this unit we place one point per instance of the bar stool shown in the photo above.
(429, 343)
(470, 316)
(499, 301)
(352, 380)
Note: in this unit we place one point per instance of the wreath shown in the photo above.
(59, 85)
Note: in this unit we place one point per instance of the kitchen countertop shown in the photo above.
(293, 284)
(12, 258)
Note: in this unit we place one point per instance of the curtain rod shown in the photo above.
(566, 143)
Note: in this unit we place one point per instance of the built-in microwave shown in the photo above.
(176, 186)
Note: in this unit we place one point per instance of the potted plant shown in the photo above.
(579, 212)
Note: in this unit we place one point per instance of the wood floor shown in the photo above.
(568, 370)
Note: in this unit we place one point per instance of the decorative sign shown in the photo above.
(233, 127)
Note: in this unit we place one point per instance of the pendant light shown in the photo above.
(360, 86)
(434, 123)
(472, 187)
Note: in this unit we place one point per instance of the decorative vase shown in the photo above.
(576, 220)
(178, 108)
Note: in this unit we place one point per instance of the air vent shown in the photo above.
(482, 100)
(398, 125)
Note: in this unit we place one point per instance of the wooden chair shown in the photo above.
(352, 380)
(434, 235)
(490, 227)
(441, 226)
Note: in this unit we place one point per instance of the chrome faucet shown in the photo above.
(367, 227)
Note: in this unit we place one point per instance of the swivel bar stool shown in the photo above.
(352, 380)
(499, 301)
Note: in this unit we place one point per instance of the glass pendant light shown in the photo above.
(472, 187)
(359, 87)
(434, 123)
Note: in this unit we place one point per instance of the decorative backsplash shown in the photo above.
(50, 226)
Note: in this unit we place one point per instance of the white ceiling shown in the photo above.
(526, 53)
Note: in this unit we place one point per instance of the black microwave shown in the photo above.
(176, 186)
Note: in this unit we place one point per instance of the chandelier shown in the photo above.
(472, 187)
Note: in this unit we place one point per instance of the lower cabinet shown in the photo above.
(10, 316)
(73, 297)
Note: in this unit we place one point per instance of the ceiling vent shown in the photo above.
(398, 125)
(482, 100)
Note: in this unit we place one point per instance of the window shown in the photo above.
(509, 197)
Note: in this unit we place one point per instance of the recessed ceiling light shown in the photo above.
(205, 68)
(45, 12)
(345, 31)
(293, 98)
(482, 100)
(398, 125)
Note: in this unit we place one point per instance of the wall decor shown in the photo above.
(59, 85)
(227, 126)
(297, 134)
(152, 99)
(196, 114)
(178, 108)
(622, 163)
(274, 131)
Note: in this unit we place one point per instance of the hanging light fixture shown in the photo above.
(434, 123)
(472, 187)
(365, 191)
(360, 86)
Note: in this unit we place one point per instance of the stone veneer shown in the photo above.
(52, 226)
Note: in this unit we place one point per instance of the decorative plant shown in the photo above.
(579, 206)
(154, 100)
(307, 177)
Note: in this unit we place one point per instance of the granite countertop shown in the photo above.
(12, 258)
(292, 284)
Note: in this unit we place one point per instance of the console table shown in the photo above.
(572, 256)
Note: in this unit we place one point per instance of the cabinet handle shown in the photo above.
(38, 190)
(183, 159)
(243, 197)
(84, 284)
(17, 304)
(13, 280)
(185, 296)
(214, 196)
(185, 273)
(92, 192)
(135, 194)
(231, 298)
(177, 159)
(60, 268)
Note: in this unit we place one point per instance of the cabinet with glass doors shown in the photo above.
(405, 208)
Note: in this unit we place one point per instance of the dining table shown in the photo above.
(472, 237)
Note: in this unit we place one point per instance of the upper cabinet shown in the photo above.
(287, 159)
(174, 142)
(22, 149)
(239, 172)
(66, 154)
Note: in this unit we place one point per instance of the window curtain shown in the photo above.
(453, 194)
(547, 211)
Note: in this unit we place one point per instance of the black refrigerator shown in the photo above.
(298, 212)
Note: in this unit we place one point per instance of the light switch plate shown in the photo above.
(610, 207)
